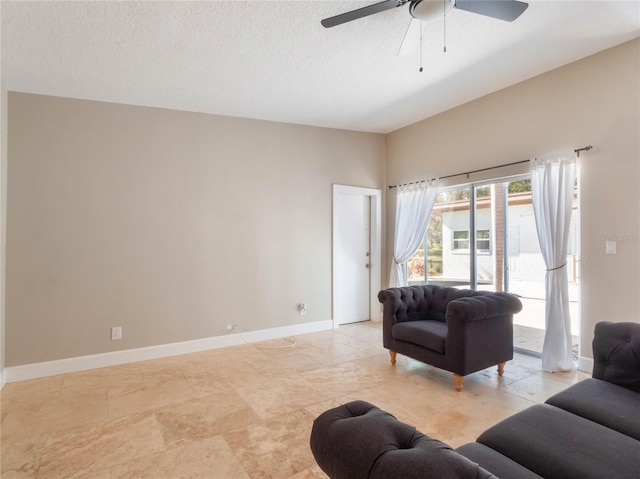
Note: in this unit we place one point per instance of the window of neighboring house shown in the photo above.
(483, 241)
(461, 241)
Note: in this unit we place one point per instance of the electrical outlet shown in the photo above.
(302, 309)
(232, 327)
(116, 333)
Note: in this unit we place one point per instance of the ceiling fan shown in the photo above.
(507, 10)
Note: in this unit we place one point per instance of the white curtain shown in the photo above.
(413, 209)
(552, 186)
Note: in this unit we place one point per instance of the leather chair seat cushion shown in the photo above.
(555, 443)
(612, 406)
(428, 334)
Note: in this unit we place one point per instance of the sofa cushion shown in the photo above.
(612, 406)
(555, 443)
(359, 441)
(495, 462)
(428, 334)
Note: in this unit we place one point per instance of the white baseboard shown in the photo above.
(83, 363)
(585, 364)
(3, 378)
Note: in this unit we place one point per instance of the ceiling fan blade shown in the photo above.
(361, 12)
(507, 10)
(411, 40)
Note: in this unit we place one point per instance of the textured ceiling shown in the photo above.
(273, 60)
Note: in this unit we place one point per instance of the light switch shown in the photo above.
(610, 247)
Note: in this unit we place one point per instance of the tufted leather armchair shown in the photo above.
(459, 330)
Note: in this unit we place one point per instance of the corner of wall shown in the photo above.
(3, 224)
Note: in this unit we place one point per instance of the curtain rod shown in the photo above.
(467, 173)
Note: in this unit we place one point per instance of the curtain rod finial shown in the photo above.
(585, 148)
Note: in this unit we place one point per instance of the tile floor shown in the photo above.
(245, 411)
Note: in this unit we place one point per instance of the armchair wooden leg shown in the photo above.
(457, 381)
(501, 368)
(393, 355)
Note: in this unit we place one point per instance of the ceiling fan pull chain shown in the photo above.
(444, 21)
(420, 46)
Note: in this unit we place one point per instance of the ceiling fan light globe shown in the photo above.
(429, 10)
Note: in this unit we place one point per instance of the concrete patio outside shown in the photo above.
(529, 324)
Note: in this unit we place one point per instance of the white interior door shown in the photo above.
(352, 258)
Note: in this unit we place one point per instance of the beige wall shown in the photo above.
(593, 101)
(169, 224)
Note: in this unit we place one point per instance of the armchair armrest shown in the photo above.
(480, 331)
(616, 354)
(390, 300)
(405, 303)
(482, 306)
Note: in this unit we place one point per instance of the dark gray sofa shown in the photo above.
(458, 330)
(590, 430)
